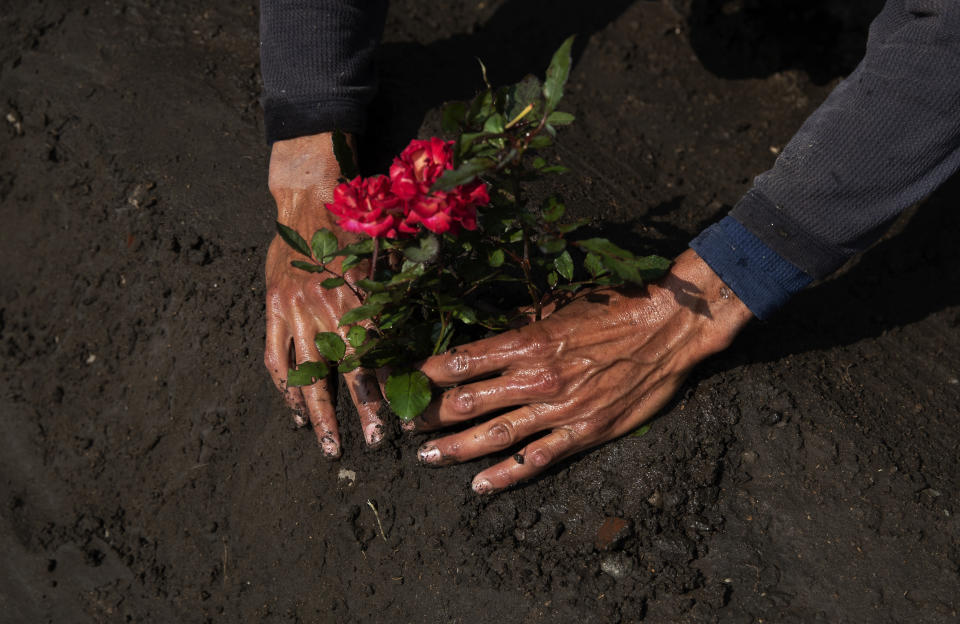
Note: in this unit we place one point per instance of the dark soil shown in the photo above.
(149, 472)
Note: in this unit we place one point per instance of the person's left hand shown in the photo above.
(593, 371)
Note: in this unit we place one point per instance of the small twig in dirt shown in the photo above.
(377, 516)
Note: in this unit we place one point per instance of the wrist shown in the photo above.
(713, 310)
(303, 174)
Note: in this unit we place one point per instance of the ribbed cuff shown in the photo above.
(289, 120)
(763, 280)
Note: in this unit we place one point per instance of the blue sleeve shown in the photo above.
(884, 139)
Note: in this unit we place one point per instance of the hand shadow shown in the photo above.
(739, 39)
(519, 39)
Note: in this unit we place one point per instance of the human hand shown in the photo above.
(593, 371)
(303, 174)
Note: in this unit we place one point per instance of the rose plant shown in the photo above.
(451, 248)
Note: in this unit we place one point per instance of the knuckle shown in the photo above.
(502, 433)
(546, 381)
(458, 365)
(463, 401)
(541, 457)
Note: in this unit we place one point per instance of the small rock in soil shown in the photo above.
(618, 565)
(612, 532)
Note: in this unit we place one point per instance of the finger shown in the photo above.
(482, 357)
(495, 435)
(323, 416)
(318, 399)
(529, 462)
(466, 402)
(276, 357)
(365, 392)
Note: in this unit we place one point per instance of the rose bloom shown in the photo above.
(414, 172)
(367, 205)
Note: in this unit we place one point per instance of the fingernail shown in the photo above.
(330, 448)
(374, 433)
(428, 454)
(298, 419)
(482, 486)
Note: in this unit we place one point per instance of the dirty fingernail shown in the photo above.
(373, 433)
(428, 454)
(330, 448)
(298, 419)
(482, 486)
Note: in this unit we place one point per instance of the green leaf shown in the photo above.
(306, 266)
(347, 364)
(603, 247)
(454, 116)
(496, 258)
(293, 238)
(324, 245)
(480, 107)
(566, 228)
(539, 162)
(552, 279)
(642, 431)
(552, 245)
(540, 141)
(555, 169)
(594, 265)
(557, 74)
(368, 310)
(357, 249)
(344, 155)
(350, 261)
(333, 282)
(652, 267)
(515, 237)
(494, 124)
(524, 92)
(464, 314)
(564, 265)
(427, 250)
(306, 374)
(463, 174)
(408, 393)
(356, 336)
(553, 210)
(330, 346)
(559, 118)
(371, 286)
(465, 142)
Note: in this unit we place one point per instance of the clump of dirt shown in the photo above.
(149, 472)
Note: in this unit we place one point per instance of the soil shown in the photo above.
(148, 469)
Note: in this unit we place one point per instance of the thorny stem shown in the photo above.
(442, 334)
(373, 258)
(342, 276)
(525, 260)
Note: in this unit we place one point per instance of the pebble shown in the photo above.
(347, 475)
(612, 532)
(618, 566)
(749, 457)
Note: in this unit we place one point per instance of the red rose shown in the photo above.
(367, 205)
(419, 165)
(414, 172)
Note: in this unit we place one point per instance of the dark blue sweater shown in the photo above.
(886, 137)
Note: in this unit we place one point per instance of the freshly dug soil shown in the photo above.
(150, 473)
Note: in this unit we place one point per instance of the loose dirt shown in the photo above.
(149, 472)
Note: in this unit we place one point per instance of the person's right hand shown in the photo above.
(303, 174)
